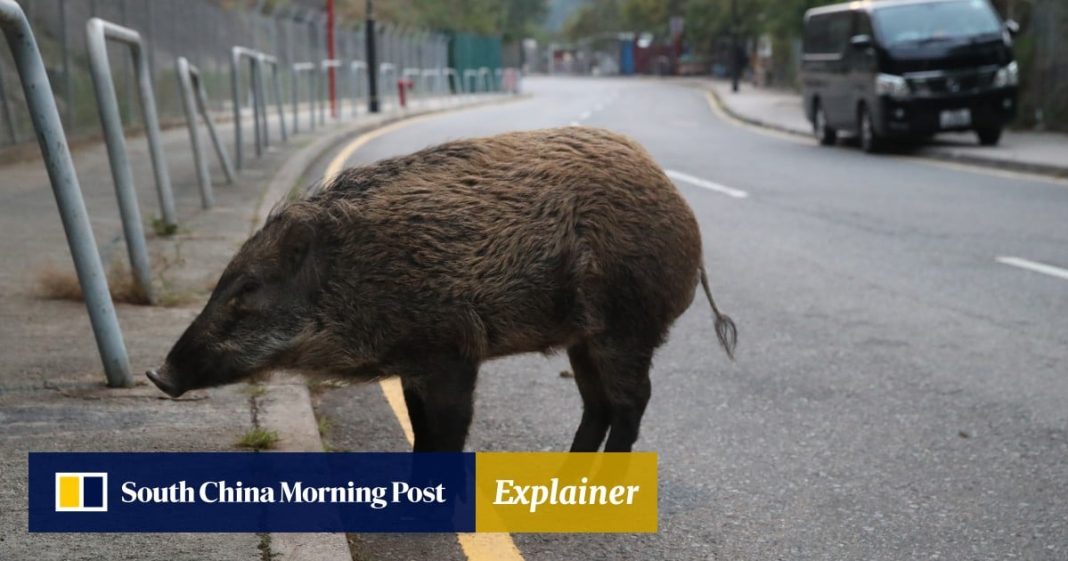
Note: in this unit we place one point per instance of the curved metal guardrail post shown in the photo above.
(430, 81)
(98, 32)
(260, 111)
(9, 115)
(261, 60)
(514, 77)
(297, 69)
(441, 86)
(357, 71)
(195, 100)
(406, 75)
(185, 87)
(236, 54)
(484, 78)
(383, 69)
(321, 100)
(202, 106)
(453, 81)
(468, 74)
(68, 193)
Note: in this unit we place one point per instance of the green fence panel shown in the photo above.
(470, 51)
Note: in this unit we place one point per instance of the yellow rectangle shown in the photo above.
(565, 492)
(70, 491)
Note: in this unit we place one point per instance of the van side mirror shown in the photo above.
(862, 41)
(1012, 26)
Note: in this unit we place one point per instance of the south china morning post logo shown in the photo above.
(245, 492)
(81, 492)
(343, 492)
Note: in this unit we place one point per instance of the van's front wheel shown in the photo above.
(870, 141)
(825, 135)
(989, 136)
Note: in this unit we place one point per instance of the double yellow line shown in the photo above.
(477, 547)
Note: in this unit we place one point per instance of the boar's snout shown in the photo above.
(164, 382)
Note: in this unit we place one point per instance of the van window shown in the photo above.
(828, 33)
(863, 26)
(815, 34)
(935, 21)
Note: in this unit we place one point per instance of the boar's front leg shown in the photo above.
(439, 394)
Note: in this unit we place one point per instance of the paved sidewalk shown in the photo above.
(52, 394)
(1038, 152)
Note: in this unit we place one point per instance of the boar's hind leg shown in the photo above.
(596, 412)
(624, 368)
(440, 399)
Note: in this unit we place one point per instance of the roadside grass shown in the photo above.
(60, 283)
(323, 424)
(258, 439)
(161, 228)
(256, 389)
(53, 283)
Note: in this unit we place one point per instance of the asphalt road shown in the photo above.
(898, 393)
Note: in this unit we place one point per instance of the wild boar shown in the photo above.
(424, 266)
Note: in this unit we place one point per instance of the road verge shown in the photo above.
(944, 153)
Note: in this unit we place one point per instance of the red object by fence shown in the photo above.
(402, 87)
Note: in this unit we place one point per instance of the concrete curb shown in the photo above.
(1058, 172)
(285, 406)
(930, 152)
(752, 120)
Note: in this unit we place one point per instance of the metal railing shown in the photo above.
(279, 103)
(453, 78)
(194, 101)
(485, 78)
(9, 115)
(469, 75)
(257, 61)
(192, 90)
(385, 85)
(313, 93)
(430, 80)
(358, 76)
(322, 99)
(98, 32)
(68, 193)
(407, 74)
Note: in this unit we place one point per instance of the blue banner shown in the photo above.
(251, 492)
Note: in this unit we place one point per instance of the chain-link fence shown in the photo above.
(202, 31)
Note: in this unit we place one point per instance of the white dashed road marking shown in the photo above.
(705, 184)
(1034, 266)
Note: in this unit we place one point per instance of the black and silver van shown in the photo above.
(908, 69)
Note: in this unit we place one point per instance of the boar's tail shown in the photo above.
(726, 332)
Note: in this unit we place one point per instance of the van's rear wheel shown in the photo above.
(870, 141)
(989, 136)
(824, 134)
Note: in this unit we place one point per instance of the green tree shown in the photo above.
(644, 15)
(523, 18)
(595, 18)
(510, 18)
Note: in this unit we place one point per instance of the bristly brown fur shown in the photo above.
(428, 264)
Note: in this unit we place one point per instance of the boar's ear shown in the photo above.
(298, 245)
